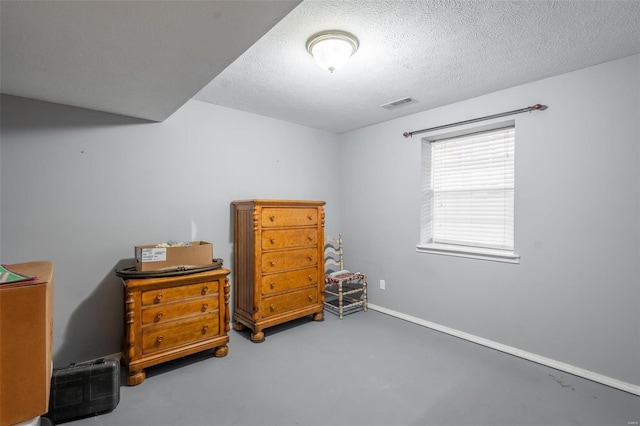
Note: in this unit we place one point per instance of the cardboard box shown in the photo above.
(26, 333)
(152, 258)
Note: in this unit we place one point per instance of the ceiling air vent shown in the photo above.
(398, 103)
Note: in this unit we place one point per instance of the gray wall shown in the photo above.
(575, 296)
(82, 188)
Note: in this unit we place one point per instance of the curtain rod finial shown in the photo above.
(540, 107)
(406, 134)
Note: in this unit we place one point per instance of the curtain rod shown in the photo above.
(475, 120)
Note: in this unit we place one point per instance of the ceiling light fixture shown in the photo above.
(332, 49)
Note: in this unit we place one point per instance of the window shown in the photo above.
(467, 195)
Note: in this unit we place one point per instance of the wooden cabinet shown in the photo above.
(167, 318)
(279, 263)
(26, 332)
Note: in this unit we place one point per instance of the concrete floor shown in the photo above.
(368, 369)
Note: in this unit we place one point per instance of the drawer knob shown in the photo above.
(310, 298)
(272, 263)
(272, 218)
(159, 339)
(272, 307)
(310, 258)
(159, 297)
(309, 217)
(205, 328)
(159, 316)
(272, 285)
(204, 306)
(310, 237)
(273, 241)
(205, 289)
(310, 278)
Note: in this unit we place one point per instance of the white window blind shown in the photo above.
(472, 190)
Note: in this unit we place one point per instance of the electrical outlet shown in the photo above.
(382, 284)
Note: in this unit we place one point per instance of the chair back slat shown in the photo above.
(333, 254)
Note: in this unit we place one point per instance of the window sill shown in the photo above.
(469, 252)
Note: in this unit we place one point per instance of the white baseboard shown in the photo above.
(590, 375)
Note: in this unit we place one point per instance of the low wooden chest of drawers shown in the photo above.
(279, 263)
(167, 318)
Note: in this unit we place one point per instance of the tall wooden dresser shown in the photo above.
(170, 317)
(279, 263)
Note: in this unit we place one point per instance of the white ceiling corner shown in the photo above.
(143, 59)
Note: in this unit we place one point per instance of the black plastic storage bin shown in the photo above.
(84, 389)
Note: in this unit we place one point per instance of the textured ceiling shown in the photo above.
(147, 58)
(435, 51)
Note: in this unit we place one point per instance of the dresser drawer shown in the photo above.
(159, 337)
(286, 238)
(276, 283)
(282, 303)
(289, 259)
(167, 312)
(178, 293)
(272, 217)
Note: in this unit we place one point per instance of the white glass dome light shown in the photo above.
(332, 49)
